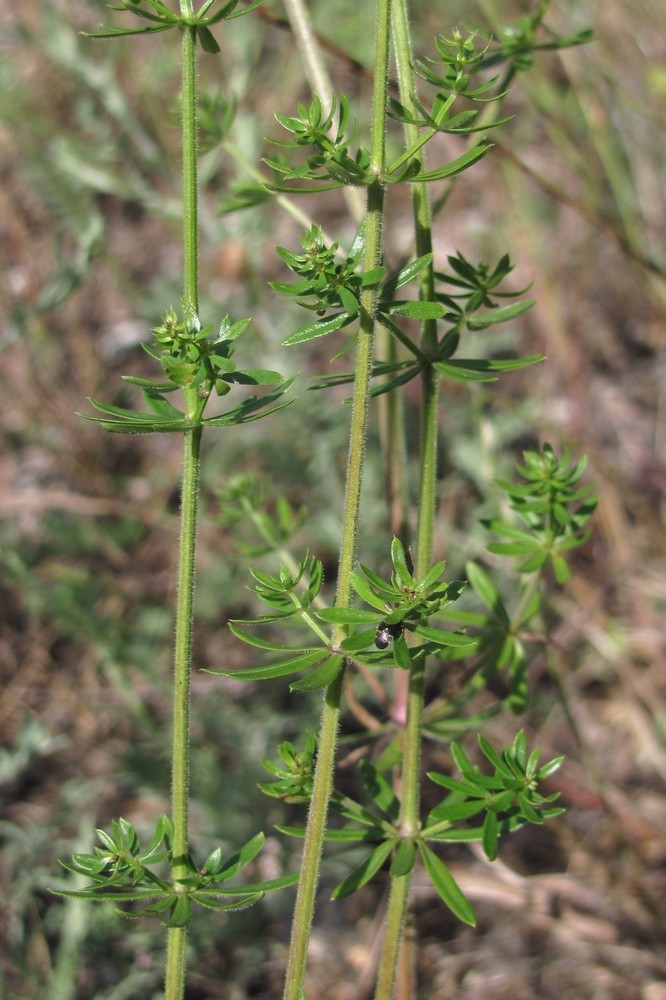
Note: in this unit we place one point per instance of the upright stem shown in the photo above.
(190, 167)
(175, 967)
(323, 779)
(411, 762)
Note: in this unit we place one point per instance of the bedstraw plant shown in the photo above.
(393, 627)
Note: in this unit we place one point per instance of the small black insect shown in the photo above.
(386, 634)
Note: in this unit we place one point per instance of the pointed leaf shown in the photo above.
(241, 858)
(256, 640)
(379, 790)
(400, 566)
(457, 165)
(181, 912)
(446, 886)
(207, 40)
(500, 315)
(403, 859)
(401, 653)
(364, 872)
(366, 590)
(320, 328)
(281, 669)
(347, 616)
(489, 836)
(484, 587)
(443, 638)
(321, 677)
(461, 374)
(414, 308)
(206, 898)
(406, 274)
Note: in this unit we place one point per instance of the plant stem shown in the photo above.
(411, 762)
(175, 967)
(323, 779)
(190, 184)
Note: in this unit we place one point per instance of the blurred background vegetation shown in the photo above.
(89, 247)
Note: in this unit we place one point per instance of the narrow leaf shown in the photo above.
(321, 677)
(403, 859)
(281, 669)
(484, 587)
(318, 329)
(446, 886)
(364, 872)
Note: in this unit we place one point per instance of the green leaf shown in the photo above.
(443, 638)
(406, 274)
(358, 641)
(270, 885)
(500, 315)
(119, 32)
(347, 616)
(259, 643)
(246, 412)
(495, 759)
(320, 328)
(292, 665)
(181, 912)
(446, 886)
(125, 415)
(365, 871)
(550, 768)
(414, 308)
(162, 407)
(456, 166)
(366, 589)
(494, 364)
(321, 677)
(489, 836)
(379, 790)
(207, 898)
(148, 383)
(207, 40)
(403, 859)
(560, 568)
(460, 374)
(484, 587)
(241, 858)
(399, 561)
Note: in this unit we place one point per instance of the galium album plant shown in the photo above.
(389, 626)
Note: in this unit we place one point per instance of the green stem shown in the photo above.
(409, 819)
(190, 168)
(175, 966)
(323, 779)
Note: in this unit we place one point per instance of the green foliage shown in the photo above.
(123, 871)
(295, 774)
(163, 18)
(402, 605)
(474, 306)
(324, 284)
(190, 357)
(554, 508)
(518, 43)
(374, 621)
(478, 807)
(331, 164)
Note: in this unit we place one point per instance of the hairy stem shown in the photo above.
(175, 969)
(323, 780)
(411, 762)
